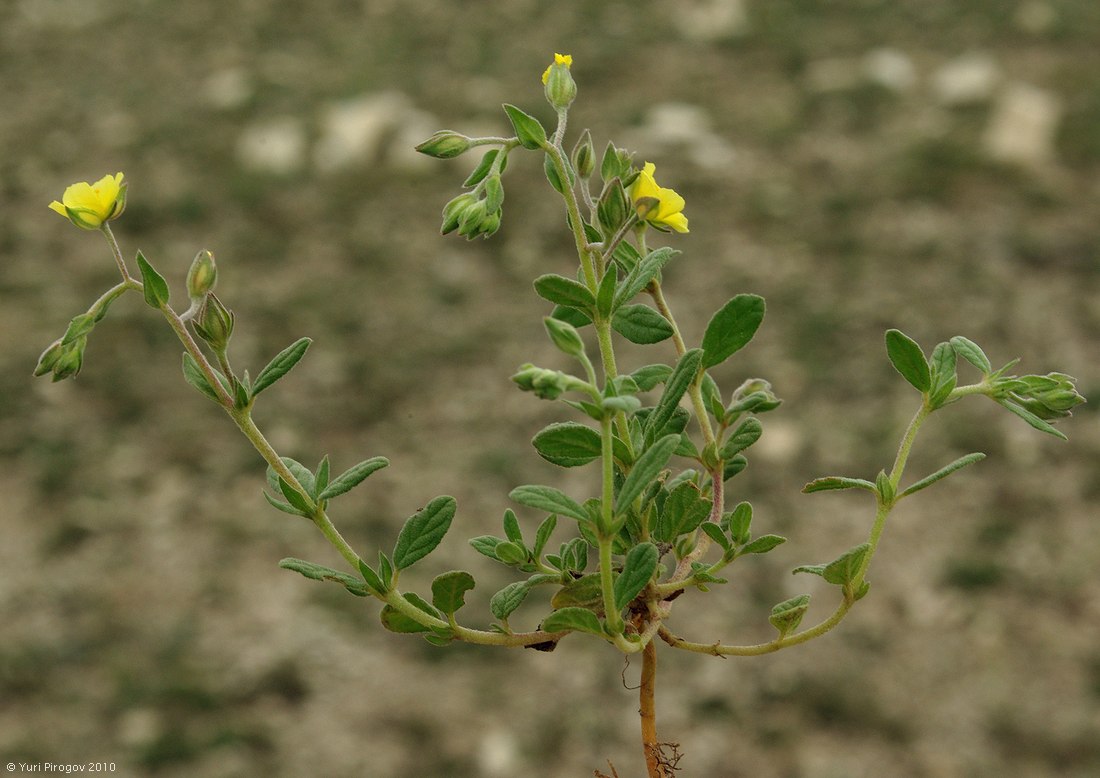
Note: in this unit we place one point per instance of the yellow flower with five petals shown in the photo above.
(661, 208)
(90, 205)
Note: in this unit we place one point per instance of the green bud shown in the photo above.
(445, 144)
(214, 323)
(617, 162)
(546, 384)
(202, 275)
(613, 209)
(49, 358)
(564, 336)
(490, 224)
(584, 156)
(755, 396)
(69, 359)
(469, 224)
(454, 211)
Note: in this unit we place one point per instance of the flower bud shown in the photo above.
(564, 335)
(454, 211)
(558, 83)
(214, 323)
(469, 224)
(49, 358)
(546, 384)
(445, 144)
(69, 359)
(754, 396)
(584, 156)
(202, 275)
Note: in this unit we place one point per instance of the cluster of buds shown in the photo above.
(475, 213)
(62, 358)
(546, 384)
(213, 322)
(1050, 397)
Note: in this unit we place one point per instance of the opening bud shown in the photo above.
(559, 85)
(202, 275)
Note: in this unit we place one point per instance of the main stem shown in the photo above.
(647, 709)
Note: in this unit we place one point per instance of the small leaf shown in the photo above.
(682, 511)
(322, 573)
(505, 602)
(638, 569)
(322, 477)
(649, 376)
(295, 498)
(908, 359)
(683, 375)
(572, 619)
(972, 353)
(943, 472)
(423, 531)
(529, 131)
(548, 499)
(787, 615)
(731, 328)
(739, 523)
(193, 374)
(352, 477)
(477, 175)
(542, 534)
(746, 434)
(154, 287)
(285, 507)
(605, 294)
(570, 316)
(715, 533)
(641, 324)
(511, 527)
(371, 577)
(645, 470)
(1031, 419)
(763, 544)
(396, 621)
(449, 590)
(565, 291)
(487, 545)
(584, 592)
(568, 444)
(842, 570)
(836, 482)
(943, 373)
(280, 365)
(647, 269)
(510, 552)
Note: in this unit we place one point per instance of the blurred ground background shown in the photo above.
(933, 166)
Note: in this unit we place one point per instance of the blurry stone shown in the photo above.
(228, 88)
(711, 20)
(273, 146)
(1023, 126)
(890, 68)
(971, 78)
(139, 727)
(355, 131)
(833, 74)
(688, 127)
(1035, 17)
(497, 754)
(68, 14)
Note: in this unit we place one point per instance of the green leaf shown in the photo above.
(763, 544)
(739, 522)
(371, 577)
(944, 375)
(510, 552)
(787, 615)
(285, 507)
(505, 602)
(154, 287)
(280, 365)
(396, 621)
(746, 434)
(570, 316)
(836, 482)
(733, 466)
(908, 359)
(842, 570)
(295, 498)
(1031, 419)
(638, 569)
(605, 294)
(565, 291)
(683, 510)
(511, 527)
(530, 133)
(321, 573)
(572, 619)
(715, 533)
(193, 374)
(649, 376)
(584, 592)
(423, 531)
(548, 499)
(487, 545)
(568, 444)
(352, 477)
(449, 590)
(542, 534)
(477, 175)
(641, 324)
(972, 353)
(645, 470)
(943, 472)
(323, 473)
(683, 375)
(731, 328)
(301, 473)
(642, 273)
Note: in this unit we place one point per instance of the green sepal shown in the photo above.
(943, 472)
(641, 324)
(613, 207)
(638, 569)
(529, 131)
(787, 615)
(423, 531)
(396, 621)
(494, 193)
(645, 469)
(908, 359)
(280, 365)
(573, 620)
(836, 482)
(449, 591)
(568, 444)
(507, 600)
(548, 499)
(318, 572)
(565, 291)
(731, 328)
(351, 478)
(154, 287)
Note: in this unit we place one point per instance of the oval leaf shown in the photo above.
(645, 470)
(449, 590)
(638, 569)
(641, 324)
(548, 499)
(423, 531)
(572, 619)
(908, 359)
(505, 602)
(154, 287)
(280, 365)
(568, 444)
(352, 477)
(731, 328)
(565, 291)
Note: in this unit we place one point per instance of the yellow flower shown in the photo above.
(661, 208)
(89, 205)
(559, 59)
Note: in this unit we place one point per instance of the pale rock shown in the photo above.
(833, 74)
(355, 131)
(971, 78)
(687, 127)
(1035, 17)
(1023, 126)
(497, 754)
(227, 88)
(275, 145)
(711, 20)
(890, 68)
